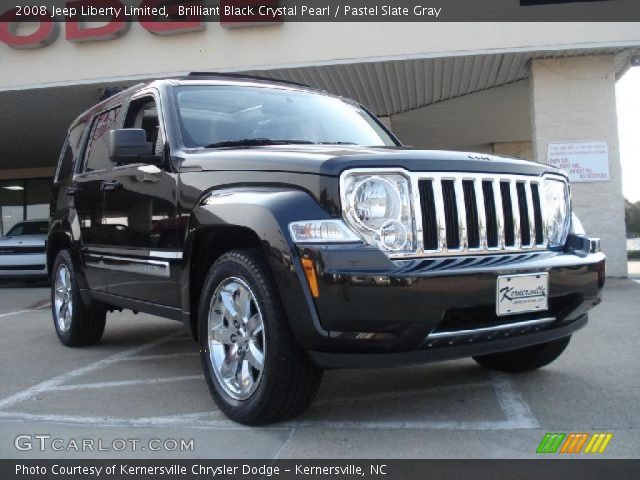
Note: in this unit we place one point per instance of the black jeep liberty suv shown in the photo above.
(290, 231)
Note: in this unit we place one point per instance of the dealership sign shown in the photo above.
(160, 17)
(582, 161)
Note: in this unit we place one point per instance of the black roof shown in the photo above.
(238, 76)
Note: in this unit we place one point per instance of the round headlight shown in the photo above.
(375, 201)
(377, 207)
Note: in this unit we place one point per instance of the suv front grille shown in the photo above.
(21, 250)
(476, 213)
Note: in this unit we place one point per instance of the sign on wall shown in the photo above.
(583, 161)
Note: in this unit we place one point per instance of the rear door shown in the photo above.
(140, 211)
(88, 196)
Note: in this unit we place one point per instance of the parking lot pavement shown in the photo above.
(143, 382)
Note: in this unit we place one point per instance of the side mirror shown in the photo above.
(129, 145)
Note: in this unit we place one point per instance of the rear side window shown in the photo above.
(98, 148)
(71, 151)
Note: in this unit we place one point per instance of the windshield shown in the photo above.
(29, 228)
(222, 116)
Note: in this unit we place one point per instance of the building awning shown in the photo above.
(35, 120)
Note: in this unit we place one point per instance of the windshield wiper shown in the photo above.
(337, 143)
(248, 142)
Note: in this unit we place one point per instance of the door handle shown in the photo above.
(110, 186)
(71, 191)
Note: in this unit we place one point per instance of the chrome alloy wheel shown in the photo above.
(236, 338)
(63, 299)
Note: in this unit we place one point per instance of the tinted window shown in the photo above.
(31, 228)
(66, 163)
(213, 114)
(71, 151)
(143, 113)
(98, 148)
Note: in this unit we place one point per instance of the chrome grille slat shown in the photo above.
(462, 214)
(444, 207)
(442, 231)
(515, 211)
(482, 220)
(497, 194)
(530, 211)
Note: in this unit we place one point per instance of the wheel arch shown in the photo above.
(62, 239)
(259, 218)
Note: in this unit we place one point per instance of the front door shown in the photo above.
(87, 194)
(142, 257)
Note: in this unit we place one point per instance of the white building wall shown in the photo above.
(140, 53)
(573, 99)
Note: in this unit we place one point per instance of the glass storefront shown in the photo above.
(23, 200)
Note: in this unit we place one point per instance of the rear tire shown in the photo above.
(76, 324)
(255, 370)
(524, 359)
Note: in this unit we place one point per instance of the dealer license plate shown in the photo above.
(522, 293)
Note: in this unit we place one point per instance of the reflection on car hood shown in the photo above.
(23, 241)
(333, 159)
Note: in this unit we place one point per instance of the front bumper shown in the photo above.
(379, 312)
(23, 265)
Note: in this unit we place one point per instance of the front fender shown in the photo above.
(266, 212)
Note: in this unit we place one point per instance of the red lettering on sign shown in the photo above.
(187, 24)
(45, 34)
(78, 33)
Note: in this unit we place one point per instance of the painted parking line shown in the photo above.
(125, 383)
(20, 312)
(65, 377)
(516, 411)
(160, 356)
(393, 395)
(176, 421)
(637, 281)
(513, 405)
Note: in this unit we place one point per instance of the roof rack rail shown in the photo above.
(241, 76)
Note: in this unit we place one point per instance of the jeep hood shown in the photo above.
(332, 160)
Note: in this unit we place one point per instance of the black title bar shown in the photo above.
(318, 469)
(276, 11)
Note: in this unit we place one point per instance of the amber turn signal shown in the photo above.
(310, 273)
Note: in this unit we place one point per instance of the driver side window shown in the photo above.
(143, 113)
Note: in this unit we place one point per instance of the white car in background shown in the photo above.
(22, 250)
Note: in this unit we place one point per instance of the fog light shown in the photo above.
(393, 235)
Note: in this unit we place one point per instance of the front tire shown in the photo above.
(524, 359)
(255, 370)
(76, 324)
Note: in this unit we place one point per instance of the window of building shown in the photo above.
(23, 200)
